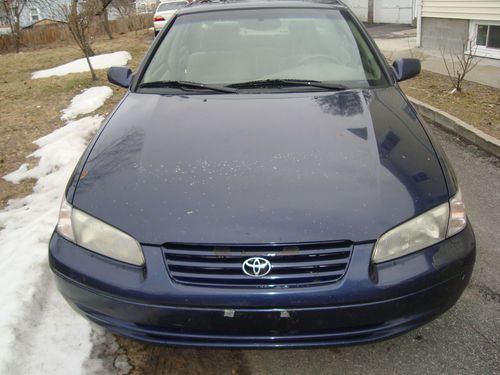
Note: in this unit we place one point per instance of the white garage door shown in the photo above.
(393, 11)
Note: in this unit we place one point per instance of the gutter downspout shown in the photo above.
(370, 11)
(419, 23)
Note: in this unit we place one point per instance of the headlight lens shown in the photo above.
(93, 234)
(64, 227)
(458, 218)
(422, 231)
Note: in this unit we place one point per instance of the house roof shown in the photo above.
(47, 21)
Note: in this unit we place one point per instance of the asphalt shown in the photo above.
(389, 30)
(465, 340)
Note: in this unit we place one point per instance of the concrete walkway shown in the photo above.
(400, 41)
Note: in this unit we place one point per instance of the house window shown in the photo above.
(485, 36)
(488, 36)
(34, 14)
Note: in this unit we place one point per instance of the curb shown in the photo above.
(455, 125)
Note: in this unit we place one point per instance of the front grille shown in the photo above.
(292, 265)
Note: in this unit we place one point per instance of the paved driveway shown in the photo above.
(465, 340)
(390, 30)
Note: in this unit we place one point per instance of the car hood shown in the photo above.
(262, 168)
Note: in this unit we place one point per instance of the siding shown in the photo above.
(359, 7)
(51, 10)
(462, 9)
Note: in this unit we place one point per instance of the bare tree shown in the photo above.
(127, 11)
(13, 11)
(125, 8)
(102, 6)
(458, 65)
(79, 19)
(80, 15)
(105, 19)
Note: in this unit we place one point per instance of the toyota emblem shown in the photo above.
(256, 267)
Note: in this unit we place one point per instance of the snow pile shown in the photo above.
(88, 101)
(56, 151)
(39, 333)
(78, 66)
(27, 225)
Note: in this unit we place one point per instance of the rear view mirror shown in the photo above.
(406, 68)
(120, 76)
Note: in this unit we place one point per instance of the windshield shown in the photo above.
(170, 6)
(237, 46)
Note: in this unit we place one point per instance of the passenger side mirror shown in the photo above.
(120, 76)
(406, 68)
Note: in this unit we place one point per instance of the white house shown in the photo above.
(384, 11)
(450, 23)
(33, 12)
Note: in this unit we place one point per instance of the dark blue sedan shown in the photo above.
(263, 183)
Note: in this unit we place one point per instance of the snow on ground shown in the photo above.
(39, 333)
(98, 62)
(88, 101)
(56, 151)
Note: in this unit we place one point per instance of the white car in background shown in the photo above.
(164, 12)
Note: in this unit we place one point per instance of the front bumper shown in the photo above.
(370, 303)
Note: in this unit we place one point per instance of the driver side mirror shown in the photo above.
(120, 76)
(406, 68)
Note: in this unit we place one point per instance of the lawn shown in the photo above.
(477, 104)
(32, 108)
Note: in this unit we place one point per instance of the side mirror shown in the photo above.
(120, 76)
(406, 68)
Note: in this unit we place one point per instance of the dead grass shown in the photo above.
(31, 108)
(477, 104)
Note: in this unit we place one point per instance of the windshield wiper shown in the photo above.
(288, 82)
(186, 85)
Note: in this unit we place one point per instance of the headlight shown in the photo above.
(458, 218)
(422, 231)
(93, 234)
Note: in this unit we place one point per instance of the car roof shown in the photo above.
(199, 6)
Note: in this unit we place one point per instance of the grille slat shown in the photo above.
(275, 277)
(292, 265)
(253, 253)
(277, 264)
